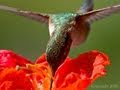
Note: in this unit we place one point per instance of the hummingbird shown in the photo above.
(66, 29)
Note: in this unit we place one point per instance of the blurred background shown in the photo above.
(29, 38)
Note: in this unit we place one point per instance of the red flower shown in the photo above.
(79, 73)
(17, 72)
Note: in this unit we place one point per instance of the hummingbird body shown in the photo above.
(60, 39)
(69, 23)
(65, 29)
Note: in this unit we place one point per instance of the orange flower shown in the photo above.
(17, 72)
(79, 73)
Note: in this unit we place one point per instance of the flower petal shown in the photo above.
(31, 77)
(10, 59)
(12, 79)
(78, 73)
(42, 60)
(17, 72)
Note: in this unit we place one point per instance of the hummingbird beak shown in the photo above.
(100, 13)
(43, 18)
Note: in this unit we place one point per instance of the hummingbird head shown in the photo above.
(72, 23)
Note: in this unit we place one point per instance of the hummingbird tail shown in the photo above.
(87, 6)
(44, 18)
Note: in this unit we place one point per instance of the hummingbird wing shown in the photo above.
(87, 6)
(100, 13)
(44, 18)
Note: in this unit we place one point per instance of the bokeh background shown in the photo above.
(29, 38)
